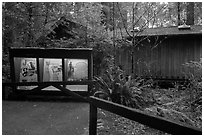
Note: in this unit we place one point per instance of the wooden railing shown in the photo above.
(152, 121)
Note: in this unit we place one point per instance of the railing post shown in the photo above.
(93, 120)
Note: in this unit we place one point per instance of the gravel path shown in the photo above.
(44, 118)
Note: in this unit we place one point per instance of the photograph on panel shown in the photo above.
(76, 69)
(52, 70)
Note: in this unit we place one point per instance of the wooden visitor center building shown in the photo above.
(160, 53)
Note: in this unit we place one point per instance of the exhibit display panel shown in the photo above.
(76, 70)
(25, 71)
(70, 67)
(52, 69)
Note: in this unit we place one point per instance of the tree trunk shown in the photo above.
(179, 16)
(29, 33)
(190, 13)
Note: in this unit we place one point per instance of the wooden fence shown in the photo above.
(159, 123)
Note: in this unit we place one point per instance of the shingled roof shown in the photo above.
(62, 29)
(168, 31)
(65, 28)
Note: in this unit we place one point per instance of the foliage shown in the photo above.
(177, 104)
(25, 22)
(110, 81)
(5, 68)
(117, 87)
(183, 103)
(171, 104)
(193, 71)
(21, 20)
(21, 23)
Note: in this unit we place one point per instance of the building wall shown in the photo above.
(164, 60)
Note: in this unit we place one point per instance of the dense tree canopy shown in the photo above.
(25, 22)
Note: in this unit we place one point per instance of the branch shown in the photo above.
(123, 20)
(141, 16)
(158, 43)
(150, 19)
(123, 38)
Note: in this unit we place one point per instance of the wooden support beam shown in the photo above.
(37, 89)
(93, 120)
(69, 92)
(85, 82)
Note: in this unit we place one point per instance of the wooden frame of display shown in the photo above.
(39, 54)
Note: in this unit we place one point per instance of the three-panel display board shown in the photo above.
(51, 65)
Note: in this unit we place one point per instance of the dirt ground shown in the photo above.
(44, 118)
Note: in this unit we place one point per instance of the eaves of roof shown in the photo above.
(170, 31)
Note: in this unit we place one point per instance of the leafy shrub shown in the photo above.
(116, 86)
(193, 71)
(5, 68)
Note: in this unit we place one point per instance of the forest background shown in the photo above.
(24, 24)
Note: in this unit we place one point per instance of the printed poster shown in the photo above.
(77, 70)
(28, 72)
(52, 71)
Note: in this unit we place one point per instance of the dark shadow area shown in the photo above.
(40, 98)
